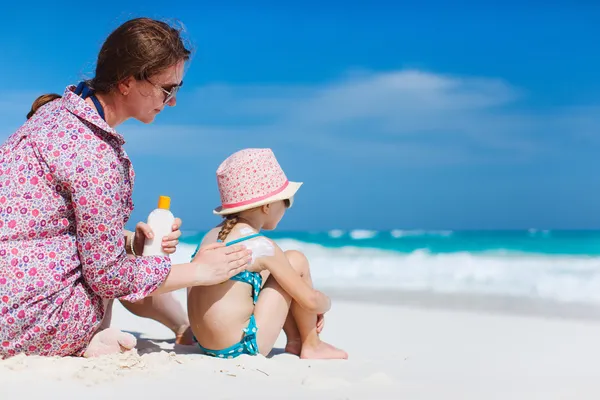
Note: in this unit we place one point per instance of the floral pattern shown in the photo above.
(249, 175)
(65, 196)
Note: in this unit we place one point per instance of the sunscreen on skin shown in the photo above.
(260, 246)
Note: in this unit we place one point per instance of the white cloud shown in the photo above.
(391, 96)
(400, 117)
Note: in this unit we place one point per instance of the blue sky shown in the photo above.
(462, 116)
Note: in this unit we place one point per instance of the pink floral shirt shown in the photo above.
(65, 196)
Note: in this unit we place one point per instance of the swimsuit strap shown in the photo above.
(84, 91)
(240, 239)
(229, 243)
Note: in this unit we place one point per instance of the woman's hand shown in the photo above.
(169, 242)
(217, 262)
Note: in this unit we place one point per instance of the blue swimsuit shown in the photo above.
(248, 344)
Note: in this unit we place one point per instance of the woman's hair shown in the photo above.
(230, 222)
(40, 101)
(140, 47)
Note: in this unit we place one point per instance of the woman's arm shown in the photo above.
(111, 274)
(213, 264)
(181, 276)
(310, 299)
(91, 176)
(128, 237)
(96, 192)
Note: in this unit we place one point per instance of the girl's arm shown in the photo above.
(310, 299)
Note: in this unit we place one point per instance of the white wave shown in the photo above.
(358, 234)
(398, 233)
(536, 232)
(560, 278)
(336, 233)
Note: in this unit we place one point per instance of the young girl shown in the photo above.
(243, 315)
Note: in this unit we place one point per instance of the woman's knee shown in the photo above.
(298, 261)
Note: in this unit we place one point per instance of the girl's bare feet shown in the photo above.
(322, 350)
(110, 341)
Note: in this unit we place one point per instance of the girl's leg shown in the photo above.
(271, 314)
(294, 344)
(312, 346)
(108, 340)
(164, 308)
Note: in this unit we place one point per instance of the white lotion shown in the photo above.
(161, 222)
(260, 245)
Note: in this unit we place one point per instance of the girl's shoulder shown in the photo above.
(210, 237)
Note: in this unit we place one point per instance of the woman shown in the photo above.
(65, 196)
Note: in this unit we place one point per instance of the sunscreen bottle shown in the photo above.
(161, 222)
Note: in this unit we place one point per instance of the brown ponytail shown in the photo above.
(230, 222)
(40, 101)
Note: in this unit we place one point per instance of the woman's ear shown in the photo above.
(126, 85)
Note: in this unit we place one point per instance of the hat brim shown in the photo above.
(285, 194)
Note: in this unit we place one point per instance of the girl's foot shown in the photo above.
(110, 341)
(323, 351)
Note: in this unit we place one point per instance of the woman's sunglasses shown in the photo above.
(169, 93)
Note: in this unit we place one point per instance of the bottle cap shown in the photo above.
(164, 202)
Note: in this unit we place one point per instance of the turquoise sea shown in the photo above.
(543, 264)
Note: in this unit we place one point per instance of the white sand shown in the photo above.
(396, 352)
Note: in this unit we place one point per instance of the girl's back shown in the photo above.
(219, 313)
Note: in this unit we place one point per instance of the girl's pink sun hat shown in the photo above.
(250, 178)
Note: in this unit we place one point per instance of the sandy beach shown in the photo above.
(429, 348)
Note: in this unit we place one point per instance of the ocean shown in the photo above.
(561, 266)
